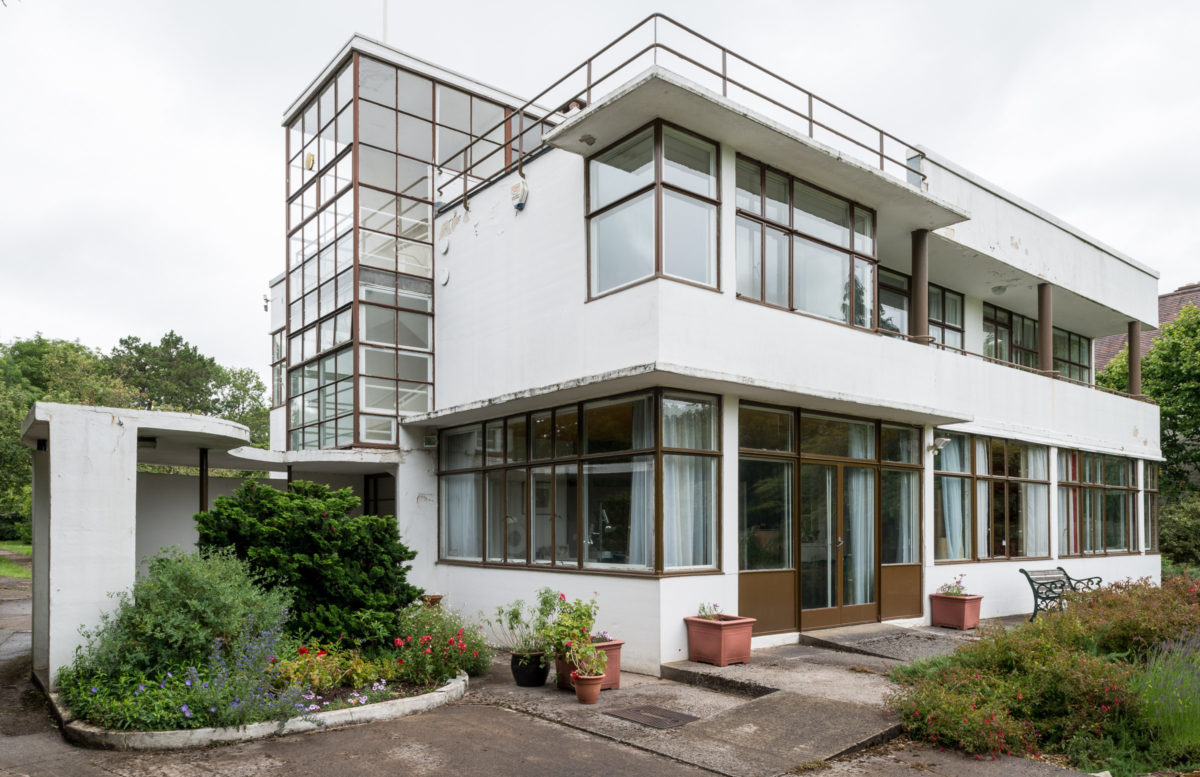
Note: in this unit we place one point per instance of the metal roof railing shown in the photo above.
(660, 40)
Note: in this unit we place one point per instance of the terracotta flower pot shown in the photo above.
(723, 641)
(612, 675)
(955, 612)
(587, 688)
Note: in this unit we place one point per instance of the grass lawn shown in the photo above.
(17, 547)
(12, 569)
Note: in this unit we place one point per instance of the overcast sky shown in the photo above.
(141, 157)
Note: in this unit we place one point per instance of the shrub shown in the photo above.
(1132, 617)
(347, 573)
(177, 610)
(432, 644)
(1179, 530)
(572, 621)
(523, 630)
(230, 688)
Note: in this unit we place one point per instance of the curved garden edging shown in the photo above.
(88, 735)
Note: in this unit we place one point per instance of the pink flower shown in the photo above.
(398, 641)
(568, 643)
(563, 597)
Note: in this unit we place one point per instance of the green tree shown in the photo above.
(1171, 377)
(241, 397)
(172, 375)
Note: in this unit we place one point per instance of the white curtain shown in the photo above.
(858, 563)
(1035, 517)
(461, 516)
(689, 516)
(952, 459)
(900, 489)
(641, 511)
(689, 482)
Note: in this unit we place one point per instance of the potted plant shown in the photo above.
(573, 622)
(953, 607)
(717, 638)
(521, 631)
(590, 664)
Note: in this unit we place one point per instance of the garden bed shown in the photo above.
(89, 735)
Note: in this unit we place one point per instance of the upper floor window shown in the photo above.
(1011, 337)
(803, 248)
(945, 309)
(652, 210)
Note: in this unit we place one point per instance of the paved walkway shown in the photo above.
(790, 707)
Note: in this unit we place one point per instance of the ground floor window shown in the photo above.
(1150, 506)
(628, 483)
(1096, 503)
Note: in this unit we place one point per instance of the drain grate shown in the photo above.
(656, 717)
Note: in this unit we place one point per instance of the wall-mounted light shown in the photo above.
(939, 443)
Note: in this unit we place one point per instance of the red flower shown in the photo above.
(321, 653)
(574, 675)
(451, 642)
(398, 641)
(428, 650)
(563, 597)
(474, 654)
(400, 661)
(568, 643)
(303, 651)
(272, 659)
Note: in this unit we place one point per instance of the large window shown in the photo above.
(802, 248)
(1009, 337)
(1096, 503)
(652, 210)
(991, 498)
(578, 486)
(1012, 499)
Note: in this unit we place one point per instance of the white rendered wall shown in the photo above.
(512, 316)
(166, 509)
(417, 508)
(1028, 240)
(278, 417)
(41, 566)
(93, 473)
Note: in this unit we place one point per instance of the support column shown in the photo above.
(1135, 358)
(1045, 327)
(204, 480)
(918, 323)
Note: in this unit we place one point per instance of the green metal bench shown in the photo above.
(1050, 584)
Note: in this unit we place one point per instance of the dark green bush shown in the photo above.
(347, 573)
(1179, 530)
(176, 611)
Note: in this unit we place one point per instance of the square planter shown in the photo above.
(723, 641)
(612, 675)
(955, 612)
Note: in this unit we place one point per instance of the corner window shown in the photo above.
(578, 486)
(652, 210)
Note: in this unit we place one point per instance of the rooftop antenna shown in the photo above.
(384, 4)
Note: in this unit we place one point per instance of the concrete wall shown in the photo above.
(166, 509)
(1021, 235)
(92, 474)
(512, 315)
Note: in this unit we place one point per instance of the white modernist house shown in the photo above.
(681, 332)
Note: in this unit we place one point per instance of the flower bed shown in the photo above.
(1110, 683)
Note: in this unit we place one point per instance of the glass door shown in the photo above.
(767, 572)
(838, 548)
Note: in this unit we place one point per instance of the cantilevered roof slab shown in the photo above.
(662, 94)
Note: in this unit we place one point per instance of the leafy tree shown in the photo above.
(1171, 376)
(241, 397)
(172, 375)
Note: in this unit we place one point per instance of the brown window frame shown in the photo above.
(793, 232)
(658, 186)
(973, 477)
(1070, 364)
(1030, 353)
(508, 462)
(1150, 507)
(1082, 488)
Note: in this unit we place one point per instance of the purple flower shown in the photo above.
(186, 712)
(95, 689)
